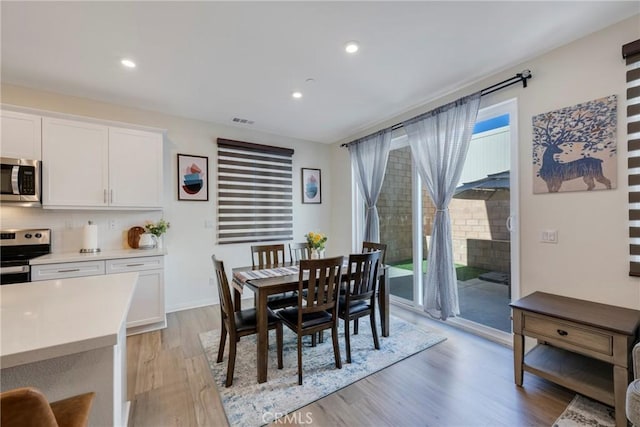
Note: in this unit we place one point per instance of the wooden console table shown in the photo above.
(582, 345)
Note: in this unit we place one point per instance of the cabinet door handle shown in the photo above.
(104, 196)
(111, 196)
(562, 333)
(134, 265)
(71, 270)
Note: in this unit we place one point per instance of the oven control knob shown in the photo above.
(28, 236)
(38, 235)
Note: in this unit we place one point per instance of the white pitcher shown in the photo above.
(147, 241)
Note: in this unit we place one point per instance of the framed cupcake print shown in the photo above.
(311, 186)
(193, 177)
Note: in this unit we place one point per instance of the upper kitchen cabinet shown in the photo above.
(75, 164)
(93, 166)
(135, 168)
(21, 135)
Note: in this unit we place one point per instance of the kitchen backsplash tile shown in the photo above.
(67, 225)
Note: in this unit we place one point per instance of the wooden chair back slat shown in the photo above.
(323, 285)
(299, 251)
(266, 256)
(362, 275)
(226, 305)
(372, 246)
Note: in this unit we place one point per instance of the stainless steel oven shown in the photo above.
(17, 247)
(20, 181)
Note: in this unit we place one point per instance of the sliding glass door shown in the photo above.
(483, 216)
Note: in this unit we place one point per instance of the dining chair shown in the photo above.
(239, 323)
(372, 246)
(369, 247)
(318, 309)
(299, 251)
(268, 256)
(28, 407)
(360, 295)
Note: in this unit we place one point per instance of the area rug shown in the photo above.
(583, 411)
(248, 403)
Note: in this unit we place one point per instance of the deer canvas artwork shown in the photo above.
(574, 148)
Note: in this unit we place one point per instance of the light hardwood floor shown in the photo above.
(464, 381)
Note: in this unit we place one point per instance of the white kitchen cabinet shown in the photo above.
(135, 168)
(21, 135)
(75, 166)
(147, 311)
(147, 306)
(66, 270)
(93, 166)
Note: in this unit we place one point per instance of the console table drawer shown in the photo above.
(565, 333)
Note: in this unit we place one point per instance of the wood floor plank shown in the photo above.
(147, 376)
(206, 399)
(466, 380)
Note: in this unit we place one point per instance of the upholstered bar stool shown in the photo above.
(28, 407)
(633, 391)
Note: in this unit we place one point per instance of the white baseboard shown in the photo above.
(193, 304)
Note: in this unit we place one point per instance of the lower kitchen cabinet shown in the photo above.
(147, 311)
(147, 305)
(66, 270)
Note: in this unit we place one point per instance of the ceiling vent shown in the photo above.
(243, 121)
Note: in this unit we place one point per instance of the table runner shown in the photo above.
(242, 277)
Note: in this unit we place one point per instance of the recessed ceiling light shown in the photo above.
(351, 47)
(297, 95)
(128, 63)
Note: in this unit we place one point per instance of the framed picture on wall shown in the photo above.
(193, 177)
(311, 186)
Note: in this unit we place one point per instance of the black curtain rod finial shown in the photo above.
(524, 75)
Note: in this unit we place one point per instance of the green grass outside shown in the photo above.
(463, 272)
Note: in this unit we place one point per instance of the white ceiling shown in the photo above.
(214, 61)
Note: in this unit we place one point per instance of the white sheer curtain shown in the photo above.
(439, 143)
(369, 157)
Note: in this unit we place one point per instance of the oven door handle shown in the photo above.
(15, 183)
(14, 270)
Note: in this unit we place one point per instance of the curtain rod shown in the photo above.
(520, 77)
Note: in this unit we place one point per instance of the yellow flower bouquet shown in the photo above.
(316, 240)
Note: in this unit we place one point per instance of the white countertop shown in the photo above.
(56, 258)
(53, 318)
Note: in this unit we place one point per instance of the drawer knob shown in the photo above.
(562, 333)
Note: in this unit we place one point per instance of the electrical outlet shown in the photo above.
(113, 224)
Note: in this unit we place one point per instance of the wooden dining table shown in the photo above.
(263, 287)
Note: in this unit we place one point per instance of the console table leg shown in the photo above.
(620, 382)
(518, 358)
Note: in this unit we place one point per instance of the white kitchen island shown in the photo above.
(68, 337)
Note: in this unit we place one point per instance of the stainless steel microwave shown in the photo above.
(20, 181)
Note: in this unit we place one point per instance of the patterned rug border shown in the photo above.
(583, 411)
(247, 403)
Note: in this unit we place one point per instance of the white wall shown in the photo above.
(591, 258)
(190, 245)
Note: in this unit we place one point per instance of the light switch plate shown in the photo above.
(549, 236)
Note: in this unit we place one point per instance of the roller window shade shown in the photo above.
(631, 53)
(255, 199)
